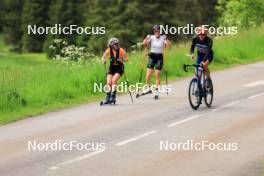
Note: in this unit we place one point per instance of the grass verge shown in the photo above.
(30, 84)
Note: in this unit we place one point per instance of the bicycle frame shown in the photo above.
(201, 82)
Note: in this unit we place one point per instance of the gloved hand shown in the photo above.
(148, 37)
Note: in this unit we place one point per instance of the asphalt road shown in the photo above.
(133, 134)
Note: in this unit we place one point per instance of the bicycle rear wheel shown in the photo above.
(209, 95)
(194, 94)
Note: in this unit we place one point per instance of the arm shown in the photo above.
(146, 41)
(164, 54)
(167, 43)
(122, 55)
(209, 48)
(192, 48)
(125, 58)
(106, 54)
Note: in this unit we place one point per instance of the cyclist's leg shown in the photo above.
(206, 64)
(198, 62)
(206, 69)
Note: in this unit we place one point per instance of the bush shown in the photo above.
(60, 50)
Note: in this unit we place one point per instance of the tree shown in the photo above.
(35, 12)
(2, 7)
(131, 21)
(241, 13)
(12, 23)
(66, 13)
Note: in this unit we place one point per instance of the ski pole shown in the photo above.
(166, 72)
(143, 63)
(127, 83)
(106, 73)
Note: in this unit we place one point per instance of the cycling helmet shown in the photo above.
(156, 27)
(113, 41)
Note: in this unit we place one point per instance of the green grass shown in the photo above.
(262, 168)
(30, 84)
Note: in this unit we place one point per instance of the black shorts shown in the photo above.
(113, 69)
(155, 60)
(200, 57)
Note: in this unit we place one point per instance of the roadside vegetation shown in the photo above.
(31, 84)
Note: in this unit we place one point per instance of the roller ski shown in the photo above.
(110, 99)
(143, 93)
(107, 100)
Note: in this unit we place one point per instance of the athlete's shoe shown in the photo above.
(112, 97)
(156, 93)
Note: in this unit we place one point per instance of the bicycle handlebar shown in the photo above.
(191, 65)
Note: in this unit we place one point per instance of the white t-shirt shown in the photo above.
(157, 44)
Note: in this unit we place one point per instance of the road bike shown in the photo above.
(199, 89)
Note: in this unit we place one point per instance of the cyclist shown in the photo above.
(203, 44)
(117, 56)
(158, 44)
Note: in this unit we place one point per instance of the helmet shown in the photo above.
(156, 27)
(113, 41)
(201, 30)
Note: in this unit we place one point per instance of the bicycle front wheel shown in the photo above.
(209, 95)
(194, 94)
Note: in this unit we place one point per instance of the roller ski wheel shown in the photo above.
(107, 102)
(113, 102)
